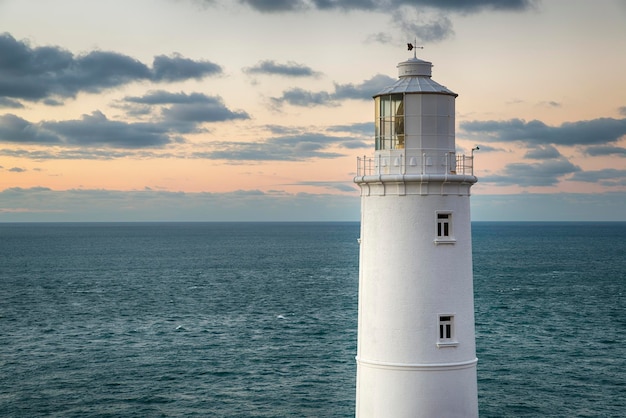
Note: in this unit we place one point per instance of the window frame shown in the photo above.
(390, 121)
(444, 228)
(446, 330)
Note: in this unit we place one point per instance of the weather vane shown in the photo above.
(411, 47)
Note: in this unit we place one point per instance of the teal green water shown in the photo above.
(259, 320)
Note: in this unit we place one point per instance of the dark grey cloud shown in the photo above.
(365, 129)
(93, 130)
(605, 150)
(17, 170)
(50, 72)
(96, 130)
(282, 148)
(178, 68)
(463, 6)
(17, 130)
(595, 137)
(177, 113)
(606, 177)
(543, 152)
(271, 6)
(63, 153)
(290, 69)
(182, 109)
(301, 97)
(213, 111)
(428, 20)
(283, 130)
(545, 173)
(160, 97)
(363, 91)
(9, 103)
(356, 135)
(590, 132)
(360, 135)
(52, 102)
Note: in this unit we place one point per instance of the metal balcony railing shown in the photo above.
(427, 163)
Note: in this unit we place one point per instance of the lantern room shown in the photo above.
(415, 124)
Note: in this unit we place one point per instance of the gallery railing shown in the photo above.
(427, 163)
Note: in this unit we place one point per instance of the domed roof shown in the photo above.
(415, 77)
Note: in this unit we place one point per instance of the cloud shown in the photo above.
(605, 150)
(301, 97)
(622, 110)
(588, 132)
(181, 112)
(210, 111)
(96, 130)
(120, 140)
(407, 15)
(93, 130)
(271, 6)
(17, 130)
(357, 135)
(463, 6)
(606, 177)
(558, 207)
(50, 72)
(426, 29)
(46, 205)
(360, 135)
(290, 69)
(363, 91)
(342, 186)
(545, 173)
(282, 148)
(488, 148)
(57, 153)
(543, 152)
(178, 68)
(380, 37)
(6, 102)
(550, 103)
(359, 128)
(17, 170)
(43, 204)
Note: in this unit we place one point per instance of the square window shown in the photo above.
(445, 327)
(444, 225)
(447, 337)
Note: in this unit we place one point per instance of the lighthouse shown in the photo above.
(416, 354)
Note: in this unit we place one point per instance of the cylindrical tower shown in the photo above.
(416, 346)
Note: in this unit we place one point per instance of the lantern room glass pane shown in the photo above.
(390, 122)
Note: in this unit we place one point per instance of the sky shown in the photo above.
(256, 110)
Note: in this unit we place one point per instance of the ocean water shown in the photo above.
(260, 319)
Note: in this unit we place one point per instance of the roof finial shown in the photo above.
(411, 47)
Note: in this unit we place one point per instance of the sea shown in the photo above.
(260, 319)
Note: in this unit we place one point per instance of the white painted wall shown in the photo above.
(406, 281)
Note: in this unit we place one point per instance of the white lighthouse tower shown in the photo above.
(416, 352)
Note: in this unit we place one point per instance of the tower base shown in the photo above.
(416, 391)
